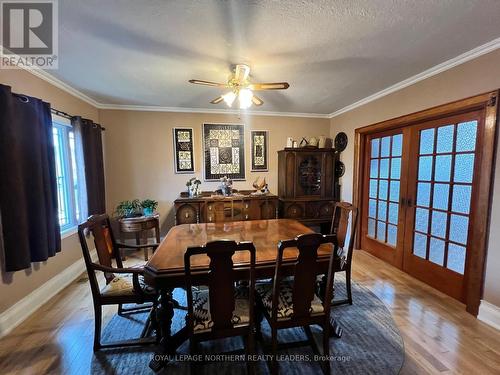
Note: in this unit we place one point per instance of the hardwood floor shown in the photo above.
(439, 336)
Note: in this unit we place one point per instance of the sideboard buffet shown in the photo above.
(308, 188)
(210, 207)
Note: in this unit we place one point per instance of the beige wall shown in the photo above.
(139, 163)
(16, 285)
(469, 79)
(139, 152)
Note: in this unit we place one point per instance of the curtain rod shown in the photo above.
(61, 113)
(68, 116)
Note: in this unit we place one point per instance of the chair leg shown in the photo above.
(274, 351)
(97, 327)
(120, 309)
(348, 285)
(193, 351)
(250, 353)
(258, 322)
(326, 347)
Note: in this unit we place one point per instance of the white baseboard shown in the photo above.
(489, 314)
(19, 312)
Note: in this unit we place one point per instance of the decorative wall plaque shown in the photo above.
(183, 150)
(259, 150)
(224, 151)
(340, 142)
(339, 169)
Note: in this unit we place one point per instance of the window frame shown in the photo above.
(64, 127)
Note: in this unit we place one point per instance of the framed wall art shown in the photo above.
(259, 140)
(183, 150)
(224, 151)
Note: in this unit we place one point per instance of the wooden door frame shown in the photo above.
(488, 102)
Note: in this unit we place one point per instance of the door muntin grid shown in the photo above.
(444, 190)
(384, 188)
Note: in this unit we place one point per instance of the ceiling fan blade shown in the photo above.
(257, 101)
(241, 72)
(269, 86)
(217, 100)
(207, 83)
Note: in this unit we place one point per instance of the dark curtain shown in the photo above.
(28, 192)
(91, 140)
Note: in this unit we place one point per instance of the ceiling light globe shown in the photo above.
(229, 98)
(245, 98)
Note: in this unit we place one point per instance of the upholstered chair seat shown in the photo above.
(285, 305)
(201, 310)
(123, 286)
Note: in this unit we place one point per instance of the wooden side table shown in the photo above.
(140, 226)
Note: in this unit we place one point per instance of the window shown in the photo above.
(66, 173)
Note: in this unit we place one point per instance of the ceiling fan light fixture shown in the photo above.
(245, 98)
(240, 87)
(229, 98)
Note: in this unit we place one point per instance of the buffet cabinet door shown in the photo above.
(187, 213)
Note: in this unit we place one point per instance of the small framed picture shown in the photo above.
(260, 141)
(183, 150)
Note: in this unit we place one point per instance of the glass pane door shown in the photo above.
(440, 191)
(385, 174)
(381, 229)
(444, 188)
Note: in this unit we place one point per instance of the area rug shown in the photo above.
(370, 344)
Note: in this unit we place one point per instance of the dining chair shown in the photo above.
(123, 285)
(344, 223)
(224, 309)
(292, 302)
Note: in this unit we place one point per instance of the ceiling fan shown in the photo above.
(240, 87)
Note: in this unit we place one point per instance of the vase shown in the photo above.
(147, 211)
(322, 141)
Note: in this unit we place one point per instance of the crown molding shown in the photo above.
(121, 107)
(124, 107)
(460, 59)
(61, 85)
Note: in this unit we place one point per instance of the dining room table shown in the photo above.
(165, 269)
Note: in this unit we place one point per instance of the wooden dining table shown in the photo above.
(165, 269)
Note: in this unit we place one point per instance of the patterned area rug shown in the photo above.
(370, 344)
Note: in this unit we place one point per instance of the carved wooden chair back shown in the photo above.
(221, 281)
(344, 223)
(99, 228)
(304, 284)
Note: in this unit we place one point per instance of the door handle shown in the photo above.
(406, 202)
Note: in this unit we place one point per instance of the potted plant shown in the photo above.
(193, 186)
(149, 206)
(128, 208)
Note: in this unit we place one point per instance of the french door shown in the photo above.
(382, 229)
(418, 198)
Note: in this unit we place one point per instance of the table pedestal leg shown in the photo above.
(168, 343)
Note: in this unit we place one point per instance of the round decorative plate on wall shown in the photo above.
(339, 169)
(340, 142)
